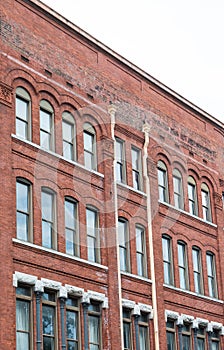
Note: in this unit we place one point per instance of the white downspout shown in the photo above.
(112, 111)
(146, 130)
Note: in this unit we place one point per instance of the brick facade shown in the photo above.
(60, 66)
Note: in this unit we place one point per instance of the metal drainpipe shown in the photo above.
(38, 299)
(146, 130)
(62, 310)
(112, 111)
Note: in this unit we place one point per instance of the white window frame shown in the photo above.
(120, 161)
(47, 109)
(52, 222)
(183, 265)
(167, 261)
(206, 203)
(67, 119)
(192, 199)
(178, 193)
(92, 233)
(73, 229)
(162, 185)
(211, 274)
(28, 300)
(124, 246)
(141, 251)
(136, 169)
(24, 96)
(197, 270)
(89, 130)
(28, 212)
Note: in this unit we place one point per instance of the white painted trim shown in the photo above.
(23, 278)
(131, 188)
(136, 276)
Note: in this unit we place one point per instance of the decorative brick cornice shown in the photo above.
(5, 94)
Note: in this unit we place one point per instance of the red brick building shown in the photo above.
(112, 204)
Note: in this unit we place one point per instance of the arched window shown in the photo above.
(124, 249)
(206, 203)
(178, 189)
(140, 251)
(71, 234)
(197, 269)
(162, 182)
(48, 208)
(23, 210)
(68, 132)
(89, 137)
(183, 265)
(23, 114)
(211, 273)
(192, 196)
(167, 259)
(93, 238)
(46, 126)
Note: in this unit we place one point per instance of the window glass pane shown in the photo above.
(140, 264)
(167, 278)
(127, 335)
(45, 120)
(186, 342)
(22, 226)
(21, 108)
(21, 129)
(45, 140)
(170, 341)
(22, 341)
(201, 344)
(70, 214)
(22, 198)
(70, 244)
(123, 264)
(22, 315)
(135, 159)
(94, 330)
(48, 343)
(72, 324)
(67, 130)
(181, 254)
(88, 142)
(47, 231)
(48, 319)
(143, 336)
(91, 249)
(47, 206)
(139, 239)
(88, 159)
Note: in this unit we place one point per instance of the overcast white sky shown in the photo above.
(179, 42)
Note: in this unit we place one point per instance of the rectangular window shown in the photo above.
(170, 335)
(49, 321)
(48, 218)
(127, 329)
(23, 210)
(23, 318)
(123, 245)
(167, 260)
(196, 256)
(215, 340)
(120, 161)
(22, 117)
(212, 286)
(186, 337)
(136, 168)
(143, 332)
(92, 227)
(94, 322)
(89, 150)
(68, 137)
(182, 264)
(72, 324)
(140, 251)
(71, 238)
(201, 338)
(46, 124)
(192, 196)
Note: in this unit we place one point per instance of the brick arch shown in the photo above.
(18, 74)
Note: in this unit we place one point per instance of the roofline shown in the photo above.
(125, 61)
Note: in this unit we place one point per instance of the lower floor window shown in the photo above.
(127, 329)
(94, 313)
(48, 320)
(72, 322)
(23, 309)
(170, 335)
(143, 332)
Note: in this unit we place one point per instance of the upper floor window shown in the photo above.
(127, 329)
(206, 204)
(197, 267)
(89, 136)
(49, 326)
(72, 323)
(136, 168)
(23, 318)
(46, 125)
(192, 196)
(48, 218)
(71, 239)
(178, 189)
(94, 324)
(68, 132)
(92, 227)
(167, 260)
(23, 114)
(140, 251)
(120, 161)
(162, 182)
(23, 210)
(143, 331)
(170, 335)
(211, 272)
(182, 264)
(123, 238)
